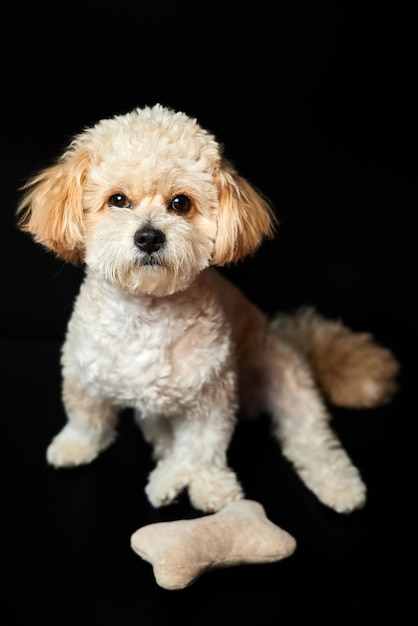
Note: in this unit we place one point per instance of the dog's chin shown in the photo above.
(150, 279)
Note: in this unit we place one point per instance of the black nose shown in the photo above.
(149, 239)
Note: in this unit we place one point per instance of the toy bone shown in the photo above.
(182, 550)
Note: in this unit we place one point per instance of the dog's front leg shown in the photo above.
(90, 427)
(197, 461)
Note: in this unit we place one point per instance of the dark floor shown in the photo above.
(315, 106)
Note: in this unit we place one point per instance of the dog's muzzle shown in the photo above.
(149, 240)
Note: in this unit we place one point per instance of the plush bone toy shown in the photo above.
(180, 551)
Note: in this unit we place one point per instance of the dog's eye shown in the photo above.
(180, 204)
(119, 200)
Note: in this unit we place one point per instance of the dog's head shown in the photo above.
(148, 201)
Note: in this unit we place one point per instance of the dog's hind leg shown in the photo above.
(301, 424)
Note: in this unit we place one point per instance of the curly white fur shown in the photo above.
(150, 205)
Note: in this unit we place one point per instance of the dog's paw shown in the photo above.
(165, 483)
(340, 488)
(344, 499)
(69, 448)
(210, 490)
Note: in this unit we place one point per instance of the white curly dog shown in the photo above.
(149, 204)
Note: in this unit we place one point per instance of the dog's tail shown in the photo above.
(350, 368)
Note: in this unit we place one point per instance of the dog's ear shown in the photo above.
(51, 209)
(245, 217)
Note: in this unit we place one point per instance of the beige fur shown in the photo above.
(150, 205)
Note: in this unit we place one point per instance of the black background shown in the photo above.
(315, 105)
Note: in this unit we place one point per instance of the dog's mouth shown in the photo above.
(150, 260)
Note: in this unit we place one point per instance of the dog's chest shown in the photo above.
(148, 353)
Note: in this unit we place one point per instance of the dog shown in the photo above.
(150, 206)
